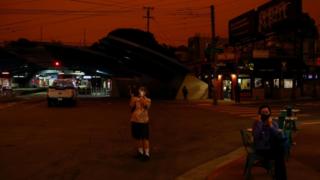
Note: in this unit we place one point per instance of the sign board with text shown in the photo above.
(270, 17)
(243, 27)
(275, 13)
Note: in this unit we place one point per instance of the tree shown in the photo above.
(137, 36)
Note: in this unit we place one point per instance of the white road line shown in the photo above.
(304, 115)
(34, 105)
(243, 111)
(310, 123)
(5, 106)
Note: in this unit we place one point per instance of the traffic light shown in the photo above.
(56, 63)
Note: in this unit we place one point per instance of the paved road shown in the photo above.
(92, 140)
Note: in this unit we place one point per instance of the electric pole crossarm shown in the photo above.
(148, 16)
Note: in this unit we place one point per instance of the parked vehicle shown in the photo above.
(62, 91)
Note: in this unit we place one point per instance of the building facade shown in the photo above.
(275, 53)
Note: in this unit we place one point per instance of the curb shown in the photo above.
(203, 171)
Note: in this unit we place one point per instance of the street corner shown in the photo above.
(215, 167)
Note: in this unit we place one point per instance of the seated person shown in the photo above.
(268, 141)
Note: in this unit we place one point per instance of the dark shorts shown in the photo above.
(140, 130)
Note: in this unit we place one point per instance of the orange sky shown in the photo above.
(174, 21)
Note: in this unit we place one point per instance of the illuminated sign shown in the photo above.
(277, 12)
(270, 17)
(86, 77)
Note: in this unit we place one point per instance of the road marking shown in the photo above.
(34, 105)
(7, 105)
(246, 112)
(202, 171)
(304, 115)
(310, 123)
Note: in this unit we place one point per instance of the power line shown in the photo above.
(115, 4)
(187, 15)
(160, 32)
(174, 3)
(17, 28)
(5, 11)
(17, 2)
(14, 23)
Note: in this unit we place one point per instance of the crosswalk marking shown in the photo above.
(245, 112)
(7, 105)
(310, 123)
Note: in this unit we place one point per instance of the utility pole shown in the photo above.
(148, 16)
(41, 33)
(213, 58)
(84, 37)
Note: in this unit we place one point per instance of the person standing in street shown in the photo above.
(185, 93)
(140, 104)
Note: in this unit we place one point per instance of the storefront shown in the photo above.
(5, 84)
(245, 86)
(275, 51)
(5, 79)
(97, 85)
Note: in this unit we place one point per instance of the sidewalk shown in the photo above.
(253, 102)
(301, 165)
(234, 170)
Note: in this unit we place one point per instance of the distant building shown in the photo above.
(197, 45)
(200, 56)
(108, 69)
(183, 55)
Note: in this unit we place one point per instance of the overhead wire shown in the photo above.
(4, 11)
(16, 22)
(163, 3)
(17, 2)
(107, 4)
(181, 14)
(160, 32)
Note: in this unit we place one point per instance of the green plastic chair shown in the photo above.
(252, 159)
(287, 131)
(281, 121)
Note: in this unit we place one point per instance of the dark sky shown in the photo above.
(72, 20)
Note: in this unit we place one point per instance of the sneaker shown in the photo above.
(138, 155)
(145, 158)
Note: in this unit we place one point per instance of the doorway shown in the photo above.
(226, 87)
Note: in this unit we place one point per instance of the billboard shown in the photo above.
(273, 16)
(243, 27)
(276, 13)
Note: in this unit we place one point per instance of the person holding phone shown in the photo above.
(140, 106)
(269, 141)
